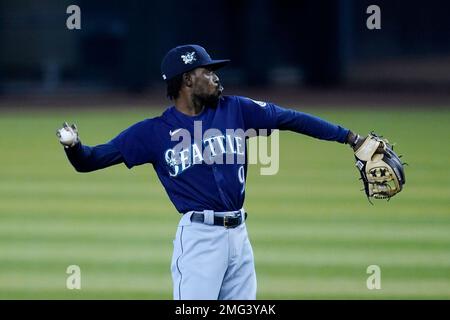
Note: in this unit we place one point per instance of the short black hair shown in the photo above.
(174, 87)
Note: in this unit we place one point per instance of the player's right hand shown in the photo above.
(68, 135)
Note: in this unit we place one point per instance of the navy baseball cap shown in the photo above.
(185, 58)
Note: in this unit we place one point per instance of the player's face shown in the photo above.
(206, 87)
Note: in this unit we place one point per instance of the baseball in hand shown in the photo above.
(67, 136)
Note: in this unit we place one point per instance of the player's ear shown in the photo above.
(187, 79)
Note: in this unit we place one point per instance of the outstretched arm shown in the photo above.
(85, 158)
(288, 119)
(258, 114)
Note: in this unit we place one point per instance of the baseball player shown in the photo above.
(203, 175)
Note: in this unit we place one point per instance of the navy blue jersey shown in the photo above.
(207, 172)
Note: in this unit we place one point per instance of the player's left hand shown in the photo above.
(68, 135)
(356, 141)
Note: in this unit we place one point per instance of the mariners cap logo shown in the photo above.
(189, 57)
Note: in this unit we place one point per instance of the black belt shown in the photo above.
(227, 221)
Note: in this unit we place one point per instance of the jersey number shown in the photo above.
(241, 176)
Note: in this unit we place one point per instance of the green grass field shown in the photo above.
(313, 231)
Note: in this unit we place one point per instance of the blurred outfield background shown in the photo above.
(312, 230)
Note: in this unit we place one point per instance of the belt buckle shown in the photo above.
(226, 219)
